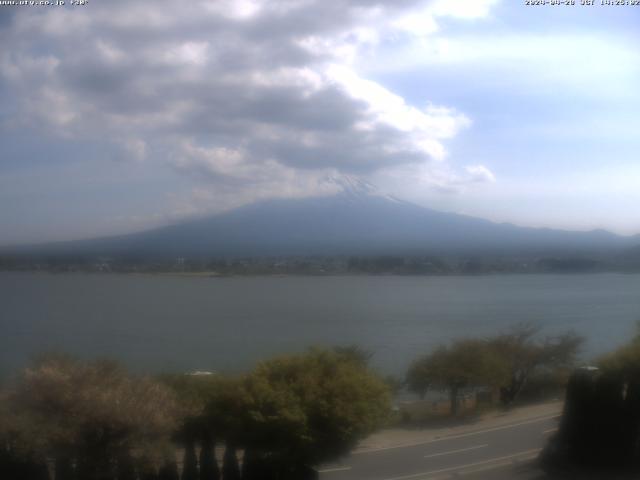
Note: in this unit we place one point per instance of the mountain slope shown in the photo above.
(356, 221)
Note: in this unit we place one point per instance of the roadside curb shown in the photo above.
(488, 424)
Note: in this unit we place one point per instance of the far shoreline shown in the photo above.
(218, 275)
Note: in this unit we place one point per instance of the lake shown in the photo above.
(155, 323)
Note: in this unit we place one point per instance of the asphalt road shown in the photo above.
(502, 452)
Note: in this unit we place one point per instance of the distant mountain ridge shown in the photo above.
(357, 221)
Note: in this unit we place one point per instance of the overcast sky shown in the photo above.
(122, 115)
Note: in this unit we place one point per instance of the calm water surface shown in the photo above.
(155, 323)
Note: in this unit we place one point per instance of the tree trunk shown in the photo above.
(454, 400)
(95, 466)
(252, 467)
(64, 468)
(149, 475)
(169, 470)
(509, 394)
(190, 462)
(147, 470)
(126, 469)
(209, 469)
(230, 467)
(38, 470)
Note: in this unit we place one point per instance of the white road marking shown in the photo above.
(462, 435)
(336, 469)
(456, 451)
(468, 465)
(544, 432)
(493, 466)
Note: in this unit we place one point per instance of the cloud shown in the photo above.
(135, 148)
(247, 98)
(528, 62)
(480, 174)
(466, 9)
(423, 21)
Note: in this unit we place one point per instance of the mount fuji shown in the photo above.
(358, 220)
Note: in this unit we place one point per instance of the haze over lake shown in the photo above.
(155, 323)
